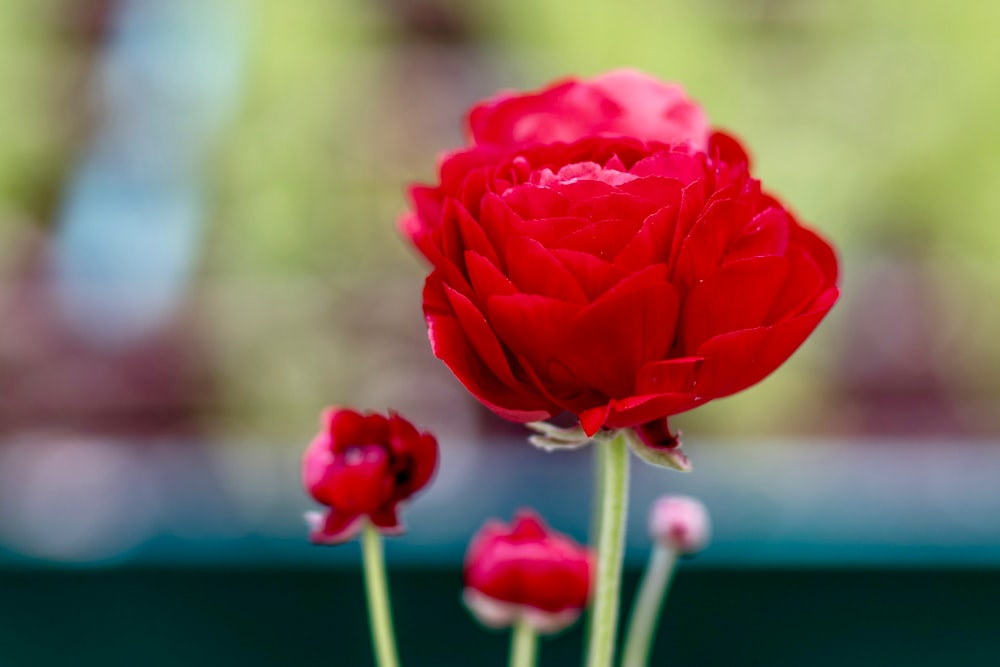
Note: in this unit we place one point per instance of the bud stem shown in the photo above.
(648, 603)
(523, 644)
(612, 490)
(377, 592)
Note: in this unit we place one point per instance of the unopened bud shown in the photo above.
(680, 523)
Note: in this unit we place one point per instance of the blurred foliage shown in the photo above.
(874, 120)
(34, 63)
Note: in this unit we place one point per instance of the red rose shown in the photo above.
(619, 279)
(526, 570)
(621, 103)
(363, 466)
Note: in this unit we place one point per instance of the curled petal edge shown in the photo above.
(322, 532)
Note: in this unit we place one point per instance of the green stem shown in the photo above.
(523, 645)
(595, 519)
(613, 508)
(648, 604)
(377, 591)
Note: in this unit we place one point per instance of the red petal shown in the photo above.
(738, 296)
(387, 520)
(486, 278)
(650, 275)
(337, 527)
(535, 270)
(578, 192)
(728, 149)
(456, 166)
(498, 221)
(604, 239)
(501, 120)
(593, 419)
(766, 235)
(683, 166)
(355, 480)
(424, 451)
(478, 332)
(705, 246)
(530, 325)
(473, 237)
(736, 360)
(607, 344)
(450, 345)
(658, 190)
(652, 242)
(821, 251)
(548, 230)
(666, 377)
(531, 201)
(638, 410)
(344, 427)
(616, 206)
(805, 280)
(427, 203)
(593, 273)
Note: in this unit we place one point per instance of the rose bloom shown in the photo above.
(598, 251)
(362, 466)
(526, 570)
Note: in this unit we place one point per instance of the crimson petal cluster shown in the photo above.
(605, 266)
(526, 570)
(362, 466)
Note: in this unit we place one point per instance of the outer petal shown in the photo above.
(593, 419)
(608, 343)
(333, 527)
(532, 326)
(357, 481)
(535, 270)
(736, 360)
(478, 332)
(738, 296)
(387, 521)
(637, 410)
(622, 102)
(529, 565)
(450, 345)
(669, 376)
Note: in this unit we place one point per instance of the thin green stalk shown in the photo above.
(648, 604)
(523, 645)
(613, 508)
(595, 518)
(377, 591)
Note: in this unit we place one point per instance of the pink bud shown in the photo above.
(680, 523)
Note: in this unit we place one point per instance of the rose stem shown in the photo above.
(523, 644)
(613, 497)
(377, 592)
(595, 519)
(648, 603)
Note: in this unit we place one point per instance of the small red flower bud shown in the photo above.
(680, 523)
(364, 466)
(526, 570)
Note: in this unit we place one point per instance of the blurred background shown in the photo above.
(198, 252)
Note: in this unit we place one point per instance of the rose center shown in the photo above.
(581, 171)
